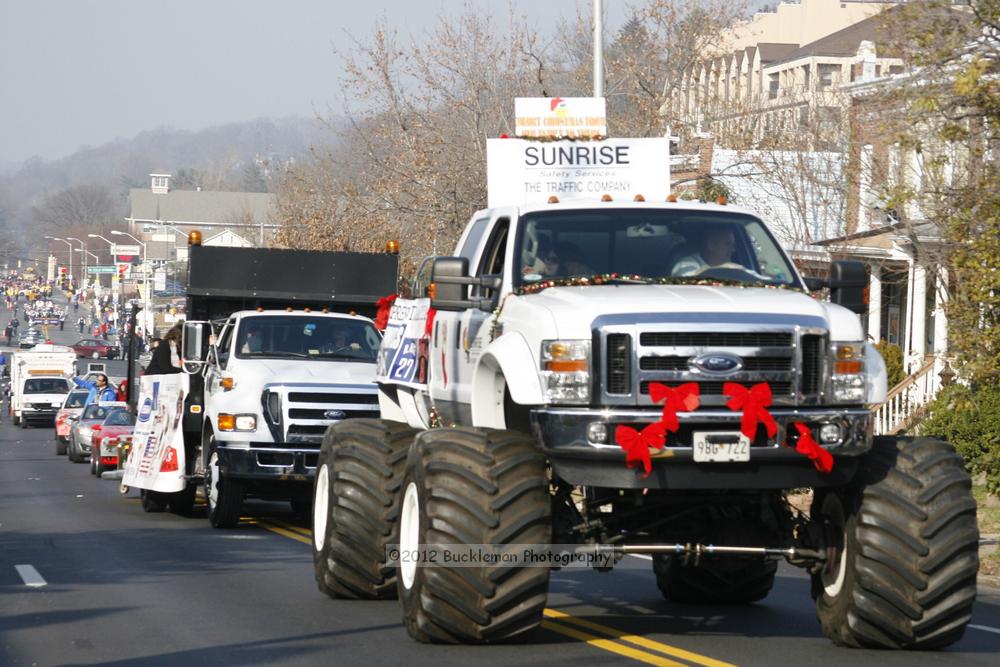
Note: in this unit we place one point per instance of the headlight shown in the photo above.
(565, 369)
(237, 422)
(848, 379)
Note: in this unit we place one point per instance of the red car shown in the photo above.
(72, 406)
(91, 347)
(104, 440)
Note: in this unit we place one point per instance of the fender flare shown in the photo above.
(506, 364)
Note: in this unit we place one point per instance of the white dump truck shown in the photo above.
(277, 350)
(40, 378)
(632, 374)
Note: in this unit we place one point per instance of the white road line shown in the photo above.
(30, 576)
(985, 628)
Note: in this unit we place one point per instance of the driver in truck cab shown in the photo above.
(717, 247)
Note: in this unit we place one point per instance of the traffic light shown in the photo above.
(121, 273)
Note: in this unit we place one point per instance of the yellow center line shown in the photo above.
(276, 529)
(287, 526)
(608, 645)
(637, 640)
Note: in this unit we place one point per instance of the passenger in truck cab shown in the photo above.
(253, 342)
(717, 247)
(561, 259)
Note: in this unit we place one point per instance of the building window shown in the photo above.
(827, 76)
(772, 86)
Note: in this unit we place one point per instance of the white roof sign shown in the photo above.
(521, 171)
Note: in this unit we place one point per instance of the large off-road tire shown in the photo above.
(356, 505)
(724, 580)
(153, 501)
(182, 502)
(904, 572)
(466, 486)
(224, 496)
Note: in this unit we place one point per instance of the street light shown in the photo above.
(145, 278)
(56, 238)
(83, 246)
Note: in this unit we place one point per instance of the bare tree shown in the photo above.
(91, 206)
(414, 163)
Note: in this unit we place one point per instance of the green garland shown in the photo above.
(611, 278)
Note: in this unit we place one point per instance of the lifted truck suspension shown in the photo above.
(694, 552)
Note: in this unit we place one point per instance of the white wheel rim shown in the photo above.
(213, 480)
(834, 583)
(409, 535)
(321, 506)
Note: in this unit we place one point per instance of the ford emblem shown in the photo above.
(336, 415)
(717, 363)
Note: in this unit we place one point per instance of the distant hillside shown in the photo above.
(220, 153)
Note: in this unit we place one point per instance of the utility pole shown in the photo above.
(598, 48)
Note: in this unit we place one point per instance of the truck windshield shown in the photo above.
(300, 337)
(46, 386)
(650, 245)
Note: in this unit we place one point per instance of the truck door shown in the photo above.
(218, 361)
(459, 338)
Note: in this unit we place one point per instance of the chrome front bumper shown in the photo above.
(578, 461)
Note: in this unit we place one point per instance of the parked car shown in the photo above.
(30, 339)
(94, 348)
(104, 440)
(80, 435)
(72, 406)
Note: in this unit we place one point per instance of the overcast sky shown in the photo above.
(77, 73)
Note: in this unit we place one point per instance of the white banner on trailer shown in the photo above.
(156, 462)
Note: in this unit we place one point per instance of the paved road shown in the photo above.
(126, 588)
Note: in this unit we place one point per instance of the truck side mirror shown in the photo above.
(849, 285)
(193, 342)
(449, 279)
(815, 283)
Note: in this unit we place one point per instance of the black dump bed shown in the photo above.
(224, 280)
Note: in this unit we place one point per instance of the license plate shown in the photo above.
(721, 447)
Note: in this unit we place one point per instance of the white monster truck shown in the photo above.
(648, 378)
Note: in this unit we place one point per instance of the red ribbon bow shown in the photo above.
(637, 444)
(811, 449)
(753, 402)
(383, 306)
(683, 398)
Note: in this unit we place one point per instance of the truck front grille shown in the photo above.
(619, 355)
(304, 410)
(789, 359)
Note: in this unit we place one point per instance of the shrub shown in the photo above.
(969, 418)
(893, 356)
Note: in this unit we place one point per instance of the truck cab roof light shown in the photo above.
(672, 198)
(392, 247)
(606, 197)
(553, 199)
(722, 200)
(638, 198)
(194, 238)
